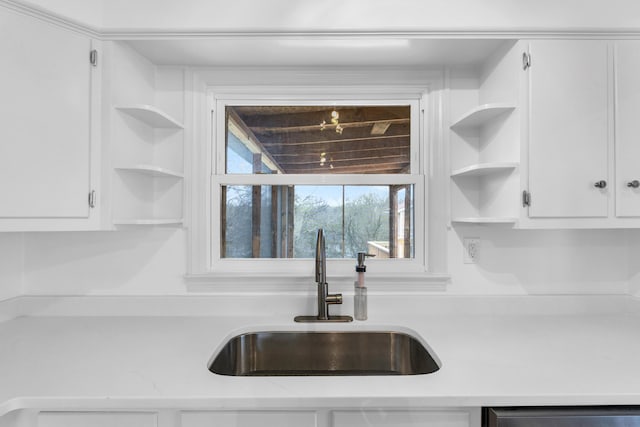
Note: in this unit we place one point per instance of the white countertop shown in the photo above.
(494, 351)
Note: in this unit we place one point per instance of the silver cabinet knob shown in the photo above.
(600, 184)
(633, 184)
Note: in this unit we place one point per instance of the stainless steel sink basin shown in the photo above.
(323, 353)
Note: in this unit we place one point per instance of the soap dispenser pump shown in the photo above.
(360, 290)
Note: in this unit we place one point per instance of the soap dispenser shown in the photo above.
(360, 294)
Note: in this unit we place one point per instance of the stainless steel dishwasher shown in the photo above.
(575, 416)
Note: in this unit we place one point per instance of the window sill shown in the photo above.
(414, 283)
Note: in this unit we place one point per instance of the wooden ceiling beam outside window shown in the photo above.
(292, 138)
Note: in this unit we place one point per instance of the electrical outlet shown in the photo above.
(471, 248)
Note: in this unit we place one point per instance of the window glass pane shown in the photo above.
(237, 219)
(282, 221)
(366, 219)
(318, 139)
(239, 158)
(317, 206)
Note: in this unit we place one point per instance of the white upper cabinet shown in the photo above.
(568, 128)
(48, 160)
(627, 113)
(563, 152)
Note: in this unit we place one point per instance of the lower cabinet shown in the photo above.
(250, 419)
(338, 418)
(382, 418)
(308, 417)
(97, 419)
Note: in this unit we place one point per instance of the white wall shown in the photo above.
(542, 261)
(129, 262)
(152, 262)
(633, 256)
(11, 265)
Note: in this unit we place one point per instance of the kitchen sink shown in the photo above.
(301, 353)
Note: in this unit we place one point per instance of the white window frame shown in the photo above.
(340, 267)
(425, 272)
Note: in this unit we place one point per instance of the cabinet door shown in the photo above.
(45, 82)
(97, 419)
(385, 418)
(627, 102)
(250, 419)
(569, 88)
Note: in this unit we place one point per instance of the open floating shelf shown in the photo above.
(482, 169)
(152, 170)
(147, 128)
(484, 142)
(481, 114)
(151, 115)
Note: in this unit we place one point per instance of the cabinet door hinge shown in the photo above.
(92, 199)
(526, 60)
(93, 57)
(526, 199)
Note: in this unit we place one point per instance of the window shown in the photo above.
(282, 168)
(280, 221)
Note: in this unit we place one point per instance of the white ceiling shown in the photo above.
(315, 51)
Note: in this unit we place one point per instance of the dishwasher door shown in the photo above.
(550, 416)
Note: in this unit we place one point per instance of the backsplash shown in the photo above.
(543, 261)
(130, 262)
(11, 265)
(153, 262)
(633, 255)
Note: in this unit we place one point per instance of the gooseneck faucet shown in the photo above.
(324, 297)
(321, 258)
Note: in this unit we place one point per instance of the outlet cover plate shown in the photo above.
(471, 248)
